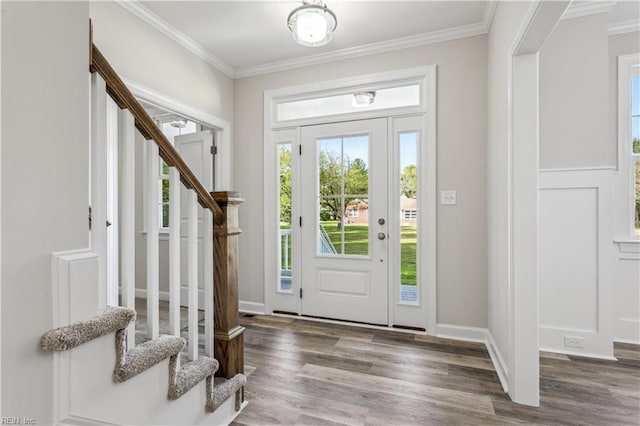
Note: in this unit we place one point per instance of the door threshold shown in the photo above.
(395, 328)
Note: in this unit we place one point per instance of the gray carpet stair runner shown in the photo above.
(146, 355)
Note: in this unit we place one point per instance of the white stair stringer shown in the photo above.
(96, 395)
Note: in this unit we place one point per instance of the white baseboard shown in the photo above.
(481, 335)
(578, 353)
(498, 361)
(82, 421)
(164, 296)
(251, 307)
(627, 331)
(458, 332)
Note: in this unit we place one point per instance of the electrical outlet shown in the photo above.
(574, 342)
(448, 198)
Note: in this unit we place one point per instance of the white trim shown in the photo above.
(223, 164)
(140, 11)
(578, 10)
(164, 296)
(367, 49)
(581, 354)
(522, 199)
(1, 352)
(82, 421)
(624, 27)
(489, 14)
(630, 342)
(461, 332)
(624, 191)
(251, 307)
(427, 77)
(579, 169)
(61, 300)
(498, 361)
(414, 75)
(470, 30)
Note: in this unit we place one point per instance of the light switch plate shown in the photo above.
(448, 198)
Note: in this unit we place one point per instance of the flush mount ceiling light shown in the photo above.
(179, 124)
(312, 24)
(363, 98)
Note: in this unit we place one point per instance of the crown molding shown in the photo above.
(624, 27)
(577, 10)
(489, 13)
(364, 50)
(146, 15)
(140, 11)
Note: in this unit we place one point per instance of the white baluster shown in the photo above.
(126, 136)
(152, 218)
(192, 273)
(99, 180)
(207, 278)
(174, 251)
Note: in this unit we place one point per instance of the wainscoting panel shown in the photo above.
(576, 262)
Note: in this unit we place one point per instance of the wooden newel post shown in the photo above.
(228, 337)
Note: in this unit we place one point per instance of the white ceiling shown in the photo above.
(251, 37)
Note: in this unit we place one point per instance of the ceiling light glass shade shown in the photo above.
(363, 98)
(312, 24)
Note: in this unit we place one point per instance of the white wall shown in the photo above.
(45, 135)
(627, 274)
(576, 262)
(461, 132)
(574, 96)
(506, 23)
(578, 130)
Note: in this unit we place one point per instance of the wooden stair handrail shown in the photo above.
(123, 97)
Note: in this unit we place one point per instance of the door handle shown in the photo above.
(382, 235)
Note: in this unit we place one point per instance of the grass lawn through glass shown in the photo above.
(356, 239)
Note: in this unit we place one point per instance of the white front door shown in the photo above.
(344, 221)
(195, 150)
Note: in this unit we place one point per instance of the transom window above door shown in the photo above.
(345, 103)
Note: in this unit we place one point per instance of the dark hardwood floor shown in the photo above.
(311, 373)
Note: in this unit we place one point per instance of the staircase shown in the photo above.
(89, 316)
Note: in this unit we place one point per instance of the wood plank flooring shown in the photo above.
(311, 373)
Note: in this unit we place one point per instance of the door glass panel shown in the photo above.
(408, 216)
(343, 199)
(284, 257)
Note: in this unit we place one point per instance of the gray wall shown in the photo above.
(461, 133)
(158, 63)
(45, 183)
(506, 22)
(574, 97)
(144, 55)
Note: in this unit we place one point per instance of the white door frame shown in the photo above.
(523, 148)
(427, 77)
(223, 164)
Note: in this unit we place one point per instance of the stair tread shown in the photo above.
(190, 374)
(223, 389)
(68, 337)
(146, 355)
